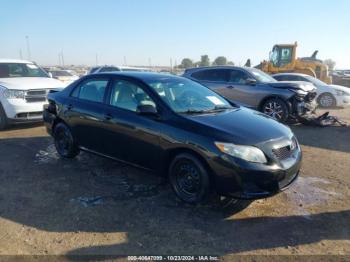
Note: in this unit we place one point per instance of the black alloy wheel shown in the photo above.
(276, 108)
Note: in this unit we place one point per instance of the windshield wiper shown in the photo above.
(193, 111)
(222, 107)
(211, 110)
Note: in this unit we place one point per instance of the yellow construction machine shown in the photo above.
(283, 59)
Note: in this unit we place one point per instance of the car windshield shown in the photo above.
(60, 73)
(186, 96)
(9, 70)
(261, 76)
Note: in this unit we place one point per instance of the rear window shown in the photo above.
(60, 73)
(288, 78)
(214, 75)
(109, 69)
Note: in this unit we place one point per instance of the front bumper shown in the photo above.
(49, 120)
(343, 101)
(243, 180)
(18, 110)
(302, 108)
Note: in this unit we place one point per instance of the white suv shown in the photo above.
(23, 90)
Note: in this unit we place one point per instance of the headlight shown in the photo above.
(248, 153)
(341, 93)
(20, 94)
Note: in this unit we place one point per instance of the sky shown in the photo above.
(153, 32)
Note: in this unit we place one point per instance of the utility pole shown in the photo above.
(62, 58)
(59, 59)
(125, 60)
(20, 54)
(28, 48)
(150, 62)
(96, 59)
(171, 65)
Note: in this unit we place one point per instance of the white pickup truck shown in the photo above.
(23, 90)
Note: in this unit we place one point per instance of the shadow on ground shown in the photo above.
(93, 194)
(330, 138)
(222, 237)
(23, 126)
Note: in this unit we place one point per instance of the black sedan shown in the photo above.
(177, 127)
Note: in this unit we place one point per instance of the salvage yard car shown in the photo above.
(327, 95)
(255, 89)
(176, 126)
(106, 69)
(23, 90)
(64, 76)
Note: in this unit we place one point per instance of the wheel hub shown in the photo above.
(274, 110)
(188, 178)
(326, 101)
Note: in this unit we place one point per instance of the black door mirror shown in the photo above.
(250, 81)
(146, 110)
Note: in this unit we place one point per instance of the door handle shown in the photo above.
(108, 116)
(230, 87)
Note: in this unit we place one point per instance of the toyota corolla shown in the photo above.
(177, 127)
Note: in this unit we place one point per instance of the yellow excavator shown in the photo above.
(283, 59)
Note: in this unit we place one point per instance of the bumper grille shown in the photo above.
(30, 115)
(33, 96)
(285, 152)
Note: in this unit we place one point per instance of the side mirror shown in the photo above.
(251, 81)
(146, 110)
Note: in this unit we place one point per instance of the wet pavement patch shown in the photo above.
(89, 201)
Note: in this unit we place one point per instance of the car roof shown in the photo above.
(138, 75)
(5, 60)
(290, 74)
(192, 69)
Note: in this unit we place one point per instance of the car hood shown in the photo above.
(27, 83)
(341, 88)
(295, 85)
(241, 126)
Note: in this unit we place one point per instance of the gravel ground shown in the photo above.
(92, 205)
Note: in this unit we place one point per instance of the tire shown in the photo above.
(3, 118)
(64, 141)
(276, 108)
(326, 100)
(189, 179)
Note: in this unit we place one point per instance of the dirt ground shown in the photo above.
(92, 205)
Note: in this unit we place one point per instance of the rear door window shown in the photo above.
(213, 75)
(91, 90)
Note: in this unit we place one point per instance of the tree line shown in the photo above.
(205, 61)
